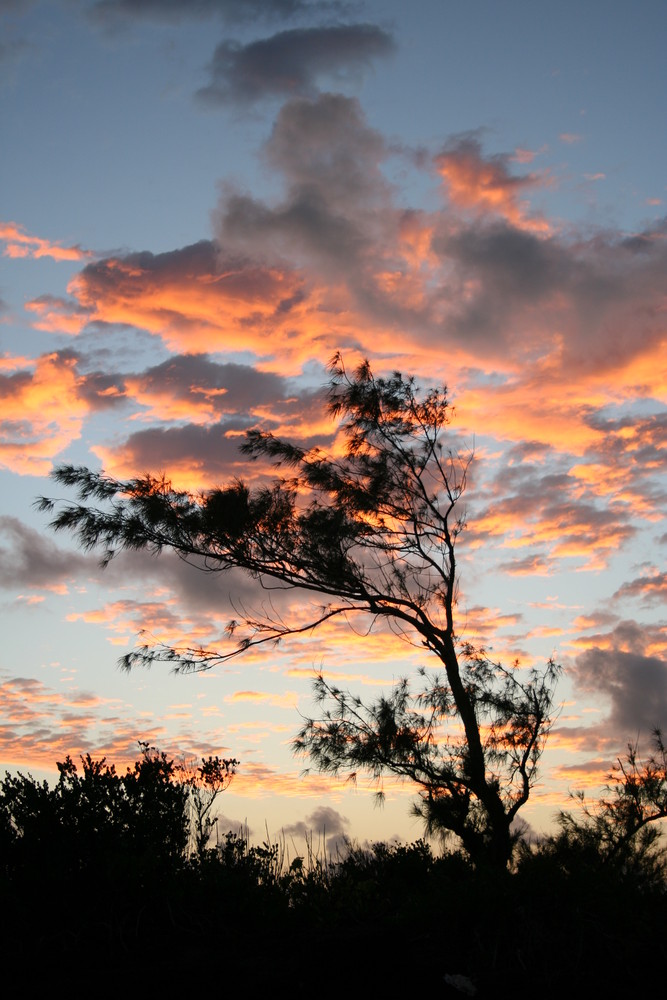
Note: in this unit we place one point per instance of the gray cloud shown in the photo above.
(650, 589)
(208, 448)
(324, 819)
(338, 223)
(323, 823)
(29, 559)
(601, 292)
(113, 12)
(235, 276)
(462, 156)
(532, 565)
(494, 283)
(213, 447)
(14, 385)
(293, 63)
(102, 390)
(227, 825)
(229, 388)
(337, 241)
(325, 145)
(634, 681)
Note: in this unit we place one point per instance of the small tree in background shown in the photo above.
(621, 830)
(370, 532)
(205, 782)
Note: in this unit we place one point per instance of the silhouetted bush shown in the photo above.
(99, 873)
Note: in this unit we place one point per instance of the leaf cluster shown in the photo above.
(370, 530)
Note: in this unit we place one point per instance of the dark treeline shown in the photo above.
(109, 878)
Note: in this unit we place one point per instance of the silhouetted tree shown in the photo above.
(620, 830)
(204, 783)
(98, 817)
(372, 532)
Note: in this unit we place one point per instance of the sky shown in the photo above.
(200, 202)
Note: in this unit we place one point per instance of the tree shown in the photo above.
(98, 819)
(621, 830)
(205, 782)
(372, 532)
(155, 813)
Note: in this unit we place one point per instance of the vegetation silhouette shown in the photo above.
(619, 832)
(371, 533)
(90, 886)
(153, 815)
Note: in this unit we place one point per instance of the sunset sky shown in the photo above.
(200, 202)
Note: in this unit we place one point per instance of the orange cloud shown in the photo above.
(42, 413)
(42, 725)
(588, 775)
(309, 674)
(157, 622)
(527, 155)
(258, 780)
(18, 243)
(486, 186)
(194, 298)
(287, 700)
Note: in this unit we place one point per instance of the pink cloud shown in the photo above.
(18, 243)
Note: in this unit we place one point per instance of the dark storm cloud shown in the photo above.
(102, 390)
(602, 293)
(209, 448)
(30, 559)
(337, 222)
(293, 63)
(111, 12)
(228, 387)
(635, 684)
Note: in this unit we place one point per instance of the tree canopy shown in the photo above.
(369, 530)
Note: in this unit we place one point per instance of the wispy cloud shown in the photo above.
(18, 243)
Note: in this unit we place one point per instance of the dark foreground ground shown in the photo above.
(388, 921)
